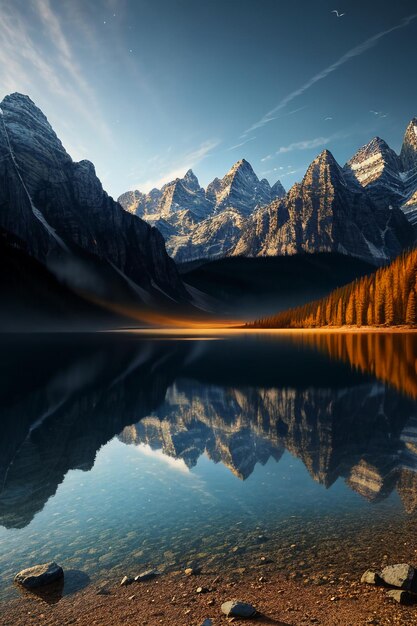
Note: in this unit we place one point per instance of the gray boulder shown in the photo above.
(371, 578)
(39, 575)
(401, 575)
(401, 596)
(235, 608)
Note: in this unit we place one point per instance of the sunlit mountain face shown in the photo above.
(140, 434)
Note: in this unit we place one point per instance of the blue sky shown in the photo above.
(149, 88)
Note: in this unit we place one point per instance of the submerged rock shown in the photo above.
(39, 575)
(371, 578)
(235, 608)
(191, 571)
(401, 575)
(401, 596)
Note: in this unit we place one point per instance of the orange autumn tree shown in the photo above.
(388, 297)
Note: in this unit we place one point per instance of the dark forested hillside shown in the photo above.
(388, 297)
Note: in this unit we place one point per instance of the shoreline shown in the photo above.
(172, 599)
(220, 331)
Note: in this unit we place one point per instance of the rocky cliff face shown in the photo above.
(59, 209)
(389, 179)
(377, 168)
(326, 212)
(198, 223)
(408, 154)
(241, 190)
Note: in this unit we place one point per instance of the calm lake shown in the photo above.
(124, 452)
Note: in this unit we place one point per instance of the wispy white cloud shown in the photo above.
(354, 52)
(306, 144)
(278, 116)
(182, 164)
(239, 145)
(282, 174)
(26, 63)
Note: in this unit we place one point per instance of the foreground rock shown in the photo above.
(371, 578)
(401, 596)
(39, 575)
(144, 576)
(191, 571)
(234, 608)
(401, 575)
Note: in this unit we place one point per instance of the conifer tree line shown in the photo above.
(388, 297)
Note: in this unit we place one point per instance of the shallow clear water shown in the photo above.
(121, 453)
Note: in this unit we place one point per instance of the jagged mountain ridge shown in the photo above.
(389, 179)
(199, 222)
(58, 208)
(326, 212)
(357, 210)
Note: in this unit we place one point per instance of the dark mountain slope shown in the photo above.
(259, 286)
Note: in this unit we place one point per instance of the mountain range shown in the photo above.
(358, 209)
(86, 252)
(203, 223)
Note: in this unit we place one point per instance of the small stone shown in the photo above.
(103, 589)
(201, 590)
(262, 579)
(371, 578)
(126, 581)
(189, 571)
(235, 608)
(144, 576)
(401, 575)
(401, 596)
(207, 622)
(261, 539)
(39, 575)
(132, 597)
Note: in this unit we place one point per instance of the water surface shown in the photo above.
(120, 452)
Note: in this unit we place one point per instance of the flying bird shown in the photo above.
(338, 14)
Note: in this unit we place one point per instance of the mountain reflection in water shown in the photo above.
(343, 404)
